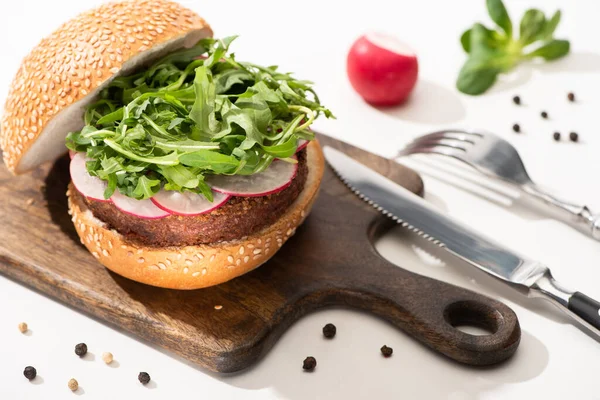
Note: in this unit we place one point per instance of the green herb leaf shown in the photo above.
(551, 25)
(465, 40)
(551, 50)
(493, 52)
(532, 26)
(477, 76)
(500, 16)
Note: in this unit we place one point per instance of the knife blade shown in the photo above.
(414, 213)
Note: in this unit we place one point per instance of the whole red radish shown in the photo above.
(382, 69)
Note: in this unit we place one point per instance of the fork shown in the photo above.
(498, 159)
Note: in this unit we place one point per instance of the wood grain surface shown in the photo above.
(329, 261)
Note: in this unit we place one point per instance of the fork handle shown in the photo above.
(578, 216)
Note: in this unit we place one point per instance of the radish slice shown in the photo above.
(274, 179)
(72, 154)
(90, 186)
(187, 203)
(302, 143)
(140, 208)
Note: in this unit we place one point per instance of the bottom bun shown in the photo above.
(194, 267)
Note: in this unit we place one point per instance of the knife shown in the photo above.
(416, 214)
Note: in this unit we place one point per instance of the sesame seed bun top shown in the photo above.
(65, 71)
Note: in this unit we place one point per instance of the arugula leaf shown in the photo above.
(493, 52)
(196, 111)
(145, 187)
(180, 175)
(210, 160)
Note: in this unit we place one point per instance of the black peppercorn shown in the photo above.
(516, 128)
(309, 364)
(81, 349)
(544, 114)
(517, 100)
(556, 136)
(144, 378)
(386, 351)
(329, 331)
(573, 136)
(30, 373)
(571, 96)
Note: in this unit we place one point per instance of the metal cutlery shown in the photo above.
(498, 159)
(416, 214)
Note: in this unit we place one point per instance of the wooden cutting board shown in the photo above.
(329, 261)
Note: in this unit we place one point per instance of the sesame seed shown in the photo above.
(162, 265)
(241, 250)
(246, 259)
(105, 253)
(95, 254)
(195, 274)
(153, 267)
(212, 258)
(139, 260)
(230, 259)
(257, 251)
(188, 262)
(218, 307)
(185, 270)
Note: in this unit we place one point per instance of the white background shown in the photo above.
(311, 37)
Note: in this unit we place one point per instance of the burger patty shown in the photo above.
(238, 217)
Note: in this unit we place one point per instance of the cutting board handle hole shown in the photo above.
(473, 318)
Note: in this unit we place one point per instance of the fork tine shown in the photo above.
(451, 134)
(444, 141)
(442, 149)
(451, 144)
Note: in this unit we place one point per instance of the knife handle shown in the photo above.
(585, 307)
(577, 305)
